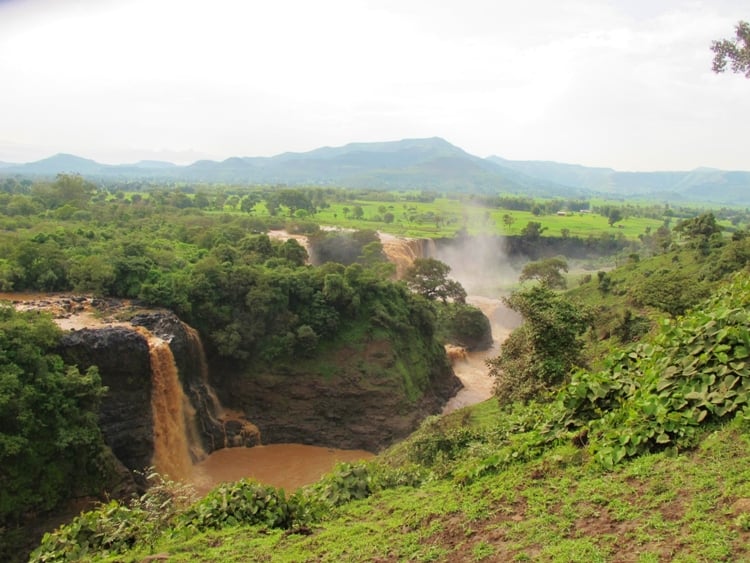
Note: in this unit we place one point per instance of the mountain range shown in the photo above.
(425, 164)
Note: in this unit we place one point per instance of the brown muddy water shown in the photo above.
(288, 466)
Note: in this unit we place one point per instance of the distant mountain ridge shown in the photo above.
(700, 184)
(425, 164)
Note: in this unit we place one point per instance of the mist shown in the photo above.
(480, 264)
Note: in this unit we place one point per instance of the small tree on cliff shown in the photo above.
(538, 355)
(429, 278)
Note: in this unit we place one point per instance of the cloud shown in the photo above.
(601, 83)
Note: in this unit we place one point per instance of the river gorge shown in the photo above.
(168, 408)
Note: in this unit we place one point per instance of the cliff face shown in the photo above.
(122, 356)
(366, 398)
(367, 401)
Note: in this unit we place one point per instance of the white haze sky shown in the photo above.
(619, 83)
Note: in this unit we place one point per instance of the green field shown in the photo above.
(444, 218)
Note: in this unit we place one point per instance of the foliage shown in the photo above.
(547, 272)
(429, 277)
(344, 247)
(701, 227)
(248, 502)
(614, 216)
(656, 395)
(537, 356)
(736, 51)
(116, 527)
(50, 443)
(464, 325)
(532, 231)
(438, 442)
(112, 528)
(673, 291)
(345, 483)
(700, 231)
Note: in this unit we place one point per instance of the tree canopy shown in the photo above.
(539, 354)
(429, 278)
(735, 51)
(547, 272)
(49, 437)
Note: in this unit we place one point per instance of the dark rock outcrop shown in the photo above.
(122, 356)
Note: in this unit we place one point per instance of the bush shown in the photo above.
(248, 502)
(115, 527)
(465, 325)
(539, 355)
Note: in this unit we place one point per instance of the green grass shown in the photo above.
(444, 217)
(559, 507)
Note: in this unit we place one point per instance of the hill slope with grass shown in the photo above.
(647, 459)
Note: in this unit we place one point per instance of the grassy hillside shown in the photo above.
(693, 506)
(647, 459)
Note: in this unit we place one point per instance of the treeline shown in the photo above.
(250, 296)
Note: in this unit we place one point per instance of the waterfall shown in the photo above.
(199, 356)
(171, 443)
(187, 413)
(403, 251)
(236, 431)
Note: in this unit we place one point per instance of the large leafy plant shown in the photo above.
(696, 369)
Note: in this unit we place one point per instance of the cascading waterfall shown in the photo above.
(403, 251)
(171, 441)
(236, 430)
(178, 424)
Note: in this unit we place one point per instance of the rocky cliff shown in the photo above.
(122, 356)
(367, 399)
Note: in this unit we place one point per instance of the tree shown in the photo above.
(701, 227)
(700, 232)
(547, 272)
(736, 51)
(538, 355)
(429, 278)
(532, 231)
(614, 216)
(67, 189)
(674, 291)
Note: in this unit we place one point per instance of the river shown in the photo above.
(472, 370)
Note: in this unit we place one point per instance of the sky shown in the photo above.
(625, 84)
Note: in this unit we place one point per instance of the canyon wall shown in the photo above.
(122, 356)
(374, 398)
(368, 400)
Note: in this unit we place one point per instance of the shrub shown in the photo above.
(249, 502)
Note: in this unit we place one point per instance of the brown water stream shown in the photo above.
(472, 369)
